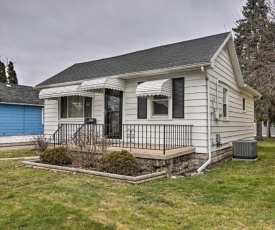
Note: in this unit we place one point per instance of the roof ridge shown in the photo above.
(155, 47)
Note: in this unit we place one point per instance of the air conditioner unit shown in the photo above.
(245, 150)
(90, 120)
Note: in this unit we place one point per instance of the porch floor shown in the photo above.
(155, 154)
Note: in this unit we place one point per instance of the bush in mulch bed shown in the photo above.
(122, 162)
(56, 156)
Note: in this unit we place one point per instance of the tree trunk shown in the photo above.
(259, 130)
(268, 129)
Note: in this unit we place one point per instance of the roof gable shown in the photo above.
(229, 44)
(190, 52)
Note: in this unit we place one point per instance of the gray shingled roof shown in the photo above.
(19, 94)
(172, 55)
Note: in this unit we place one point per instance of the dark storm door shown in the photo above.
(113, 113)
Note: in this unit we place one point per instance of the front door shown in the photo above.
(113, 113)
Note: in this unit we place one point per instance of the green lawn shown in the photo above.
(24, 152)
(238, 195)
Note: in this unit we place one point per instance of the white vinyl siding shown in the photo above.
(195, 106)
(98, 108)
(239, 125)
(50, 117)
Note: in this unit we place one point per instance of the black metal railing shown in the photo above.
(153, 137)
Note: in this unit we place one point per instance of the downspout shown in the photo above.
(217, 99)
(208, 123)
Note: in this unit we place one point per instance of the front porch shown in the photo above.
(155, 154)
(174, 162)
(140, 139)
(156, 147)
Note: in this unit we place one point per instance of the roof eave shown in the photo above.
(139, 74)
(14, 103)
(252, 91)
(169, 70)
(229, 42)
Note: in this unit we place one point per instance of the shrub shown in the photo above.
(41, 143)
(85, 146)
(122, 162)
(84, 159)
(56, 156)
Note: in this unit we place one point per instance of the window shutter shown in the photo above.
(178, 98)
(142, 107)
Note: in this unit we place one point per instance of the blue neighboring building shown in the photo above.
(21, 111)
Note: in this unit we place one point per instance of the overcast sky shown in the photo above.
(45, 37)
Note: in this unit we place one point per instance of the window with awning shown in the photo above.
(98, 84)
(160, 92)
(157, 87)
(65, 91)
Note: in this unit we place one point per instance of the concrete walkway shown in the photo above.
(19, 158)
(4, 148)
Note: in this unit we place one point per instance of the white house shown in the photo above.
(178, 95)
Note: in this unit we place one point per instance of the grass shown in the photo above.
(24, 152)
(237, 195)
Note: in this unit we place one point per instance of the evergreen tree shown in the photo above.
(3, 76)
(255, 47)
(12, 74)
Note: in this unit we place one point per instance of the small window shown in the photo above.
(225, 105)
(244, 104)
(160, 105)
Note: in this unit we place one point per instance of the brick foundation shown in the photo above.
(221, 156)
(178, 165)
(185, 163)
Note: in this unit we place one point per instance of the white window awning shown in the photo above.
(64, 91)
(103, 83)
(156, 87)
